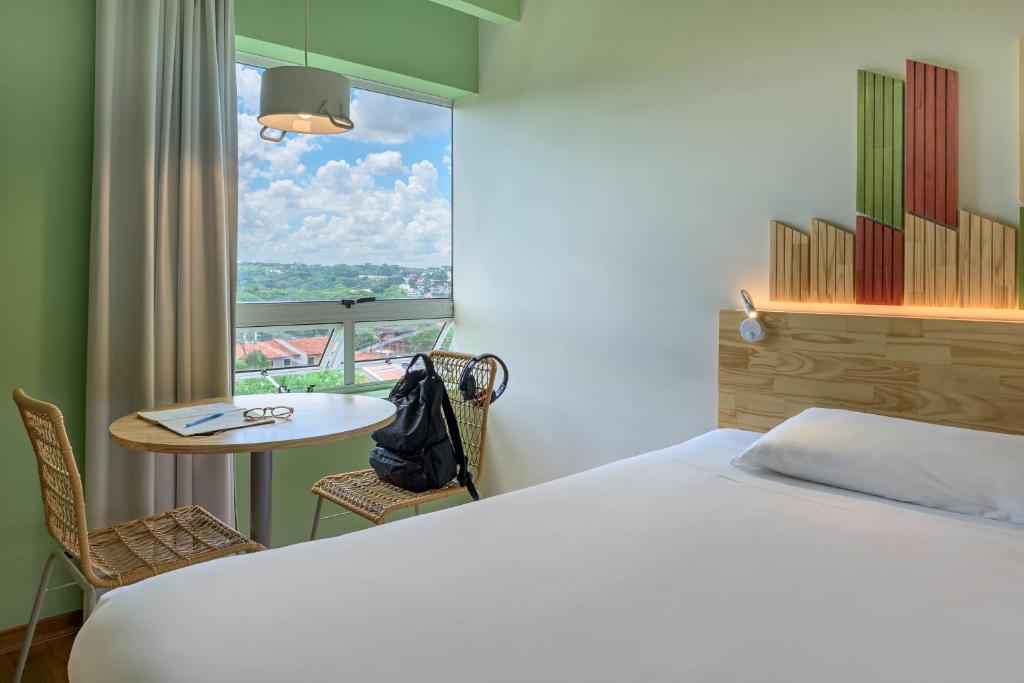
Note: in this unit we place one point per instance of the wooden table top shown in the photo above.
(319, 418)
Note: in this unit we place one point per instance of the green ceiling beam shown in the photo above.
(412, 44)
(504, 12)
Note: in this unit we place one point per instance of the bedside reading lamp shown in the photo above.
(751, 329)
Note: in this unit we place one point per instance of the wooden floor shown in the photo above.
(47, 662)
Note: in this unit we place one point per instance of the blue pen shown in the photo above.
(204, 419)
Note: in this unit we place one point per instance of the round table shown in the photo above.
(318, 419)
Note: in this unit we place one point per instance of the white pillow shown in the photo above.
(962, 470)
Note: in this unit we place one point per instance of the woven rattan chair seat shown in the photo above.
(129, 552)
(365, 494)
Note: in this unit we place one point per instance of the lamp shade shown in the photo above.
(304, 99)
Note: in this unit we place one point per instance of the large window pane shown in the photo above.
(381, 347)
(328, 217)
(269, 359)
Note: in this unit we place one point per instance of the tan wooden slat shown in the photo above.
(822, 250)
(998, 290)
(813, 266)
(789, 263)
(939, 266)
(848, 274)
(773, 278)
(985, 297)
(909, 223)
(929, 265)
(787, 266)
(828, 237)
(1010, 266)
(838, 286)
(952, 281)
(805, 267)
(919, 257)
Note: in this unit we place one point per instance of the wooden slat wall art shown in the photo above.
(789, 279)
(930, 264)
(880, 124)
(931, 132)
(878, 264)
(964, 373)
(988, 263)
(831, 264)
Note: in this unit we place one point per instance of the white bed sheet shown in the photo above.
(671, 566)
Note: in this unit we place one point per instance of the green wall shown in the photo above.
(46, 95)
(412, 44)
(46, 102)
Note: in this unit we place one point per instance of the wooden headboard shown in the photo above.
(965, 373)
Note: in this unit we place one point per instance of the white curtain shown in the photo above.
(161, 299)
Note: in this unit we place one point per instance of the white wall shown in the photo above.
(615, 177)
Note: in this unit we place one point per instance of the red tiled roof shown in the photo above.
(310, 345)
(270, 349)
(273, 349)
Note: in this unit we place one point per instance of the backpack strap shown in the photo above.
(465, 477)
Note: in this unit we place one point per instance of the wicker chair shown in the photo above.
(114, 556)
(363, 493)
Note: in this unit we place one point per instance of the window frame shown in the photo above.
(336, 314)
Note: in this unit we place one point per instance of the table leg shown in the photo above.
(260, 475)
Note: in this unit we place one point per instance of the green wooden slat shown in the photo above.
(897, 152)
(887, 86)
(860, 141)
(880, 106)
(868, 144)
(877, 174)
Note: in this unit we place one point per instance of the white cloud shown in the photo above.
(248, 79)
(389, 120)
(258, 158)
(380, 163)
(340, 214)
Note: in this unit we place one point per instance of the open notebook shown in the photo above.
(175, 419)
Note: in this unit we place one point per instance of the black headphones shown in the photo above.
(467, 382)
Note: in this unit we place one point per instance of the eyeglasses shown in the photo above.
(280, 412)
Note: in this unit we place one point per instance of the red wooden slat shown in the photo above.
(940, 142)
(930, 152)
(886, 265)
(877, 263)
(908, 137)
(897, 267)
(929, 141)
(919, 140)
(867, 279)
(858, 261)
(952, 151)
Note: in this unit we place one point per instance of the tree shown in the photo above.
(254, 360)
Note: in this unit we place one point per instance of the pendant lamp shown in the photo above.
(303, 99)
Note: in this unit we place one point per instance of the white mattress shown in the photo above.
(671, 566)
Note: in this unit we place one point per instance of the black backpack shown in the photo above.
(417, 452)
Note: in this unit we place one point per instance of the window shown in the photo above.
(327, 221)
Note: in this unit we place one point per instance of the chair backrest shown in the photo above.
(63, 500)
(471, 415)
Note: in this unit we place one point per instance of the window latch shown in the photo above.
(348, 303)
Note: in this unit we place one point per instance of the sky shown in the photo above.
(378, 194)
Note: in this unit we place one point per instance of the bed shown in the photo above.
(675, 565)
